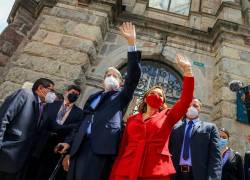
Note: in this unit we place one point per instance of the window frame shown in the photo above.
(167, 11)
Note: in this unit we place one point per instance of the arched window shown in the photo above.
(156, 73)
(175, 6)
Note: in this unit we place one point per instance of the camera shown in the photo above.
(243, 95)
(236, 85)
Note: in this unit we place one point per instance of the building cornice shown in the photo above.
(32, 6)
(208, 36)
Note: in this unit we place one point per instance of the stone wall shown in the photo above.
(232, 62)
(62, 47)
(13, 35)
(71, 43)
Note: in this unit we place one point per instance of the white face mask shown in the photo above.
(192, 112)
(111, 83)
(50, 97)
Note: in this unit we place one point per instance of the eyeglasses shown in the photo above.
(50, 89)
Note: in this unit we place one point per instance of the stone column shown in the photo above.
(195, 5)
(246, 11)
(13, 35)
(63, 47)
(21, 20)
(232, 63)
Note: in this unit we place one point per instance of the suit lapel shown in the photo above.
(54, 109)
(36, 106)
(71, 115)
(104, 96)
(196, 127)
(87, 108)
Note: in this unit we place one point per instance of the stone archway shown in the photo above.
(156, 73)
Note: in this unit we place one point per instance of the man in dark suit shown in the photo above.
(20, 124)
(194, 147)
(95, 144)
(62, 118)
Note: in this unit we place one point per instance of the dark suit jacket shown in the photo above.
(73, 120)
(18, 129)
(233, 168)
(247, 165)
(54, 132)
(205, 153)
(107, 116)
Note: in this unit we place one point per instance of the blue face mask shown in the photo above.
(223, 143)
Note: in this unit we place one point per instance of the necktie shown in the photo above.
(187, 141)
(93, 105)
(41, 108)
(61, 114)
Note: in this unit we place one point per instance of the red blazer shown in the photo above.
(144, 147)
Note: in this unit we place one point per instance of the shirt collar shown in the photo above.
(68, 106)
(39, 100)
(195, 121)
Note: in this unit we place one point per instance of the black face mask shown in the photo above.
(72, 97)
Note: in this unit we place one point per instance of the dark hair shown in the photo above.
(198, 100)
(75, 87)
(225, 131)
(42, 81)
(59, 96)
(143, 106)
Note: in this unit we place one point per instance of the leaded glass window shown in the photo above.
(175, 6)
(155, 73)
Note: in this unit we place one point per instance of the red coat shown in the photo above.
(144, 147)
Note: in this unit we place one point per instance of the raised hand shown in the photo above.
(128, 31)
(184, 64)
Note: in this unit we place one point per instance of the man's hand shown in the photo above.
(184, 64)
(128, 31)
(66, 162)
(62, 148)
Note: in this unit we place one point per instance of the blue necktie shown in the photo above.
(187, 141)
(93, 105)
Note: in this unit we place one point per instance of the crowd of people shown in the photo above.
(47, 137)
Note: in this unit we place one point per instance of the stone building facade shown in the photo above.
(74, 41)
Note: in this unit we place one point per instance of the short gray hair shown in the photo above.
(115, 70)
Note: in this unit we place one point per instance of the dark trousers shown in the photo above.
(13, 176)
(8, 176)
(85, 165)
(25, 173)
(47, 166)
(184, 176)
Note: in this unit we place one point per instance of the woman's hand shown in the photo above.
(184, 64)
(128, 31)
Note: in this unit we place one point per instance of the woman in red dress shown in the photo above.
(144, 154)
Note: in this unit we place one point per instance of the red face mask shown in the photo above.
(154, 101)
